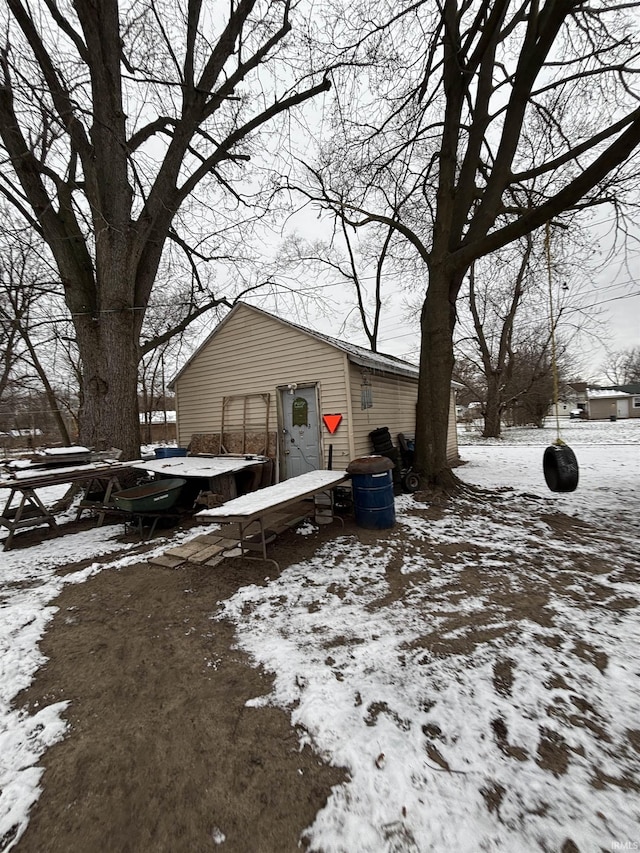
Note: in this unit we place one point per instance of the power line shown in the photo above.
(604, 301)
(612, 286)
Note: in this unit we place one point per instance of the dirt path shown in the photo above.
(162, 754)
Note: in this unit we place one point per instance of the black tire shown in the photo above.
(411, 482)
(381, 432)
(560, 468)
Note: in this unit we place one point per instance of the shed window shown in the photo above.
(300, 412)
(636, 402)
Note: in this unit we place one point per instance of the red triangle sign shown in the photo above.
(332, 422)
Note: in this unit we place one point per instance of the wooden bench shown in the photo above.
(258, 517)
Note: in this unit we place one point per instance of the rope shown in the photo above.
(554, 362)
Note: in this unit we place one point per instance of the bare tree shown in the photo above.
(363, 266)
(528, 383)
(161, 354)
(623, 367)
(519, 300)
(27, 297)
(111, 120)
(498, 365)
(9, 338)
(480, 122)
(532, 386)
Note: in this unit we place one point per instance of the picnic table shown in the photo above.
(24, 508)
(259, 517)
(101, 479)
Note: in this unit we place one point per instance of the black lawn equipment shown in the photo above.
(404, 478)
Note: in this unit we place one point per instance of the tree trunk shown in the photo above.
(434, 389)
(493, 407)
(109, 412)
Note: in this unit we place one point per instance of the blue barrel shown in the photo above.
(372, 487)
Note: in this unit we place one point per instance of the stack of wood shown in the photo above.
(209, 549)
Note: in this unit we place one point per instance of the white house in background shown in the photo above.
(168, 417)
(158, 426)
(261, 384)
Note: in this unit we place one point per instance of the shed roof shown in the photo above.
(358, 355)
(605, 393)
(631, 389)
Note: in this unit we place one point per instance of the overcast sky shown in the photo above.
(612, 298)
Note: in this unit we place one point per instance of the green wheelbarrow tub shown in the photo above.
(159, 495)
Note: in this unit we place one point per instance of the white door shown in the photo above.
(300, 431)
(622, 408)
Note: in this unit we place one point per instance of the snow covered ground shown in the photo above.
(467, 719)
(476, 670)
(608, 457)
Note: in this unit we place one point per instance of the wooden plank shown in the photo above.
(290, 522)
(205, 538)
(229, 543)
(194, 545)
(207, 553)
(212, 550)
(55, 477)
(166, 561)
(202, 549)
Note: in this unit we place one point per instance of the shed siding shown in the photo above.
(604, 407)
(254, 354)
(394, 406)
(453, 454)
(601, 409)
(394, 401)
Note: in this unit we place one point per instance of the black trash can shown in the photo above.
(372, 486)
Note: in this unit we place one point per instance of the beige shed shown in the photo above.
(261, 384)
(614, 403)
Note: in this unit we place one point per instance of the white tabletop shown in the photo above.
(63, 474)
(263, 499)
(198, 466)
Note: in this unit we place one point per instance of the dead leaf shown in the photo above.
(434, 755)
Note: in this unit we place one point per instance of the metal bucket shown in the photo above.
(372, 487)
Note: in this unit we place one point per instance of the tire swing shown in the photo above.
(559, 462)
